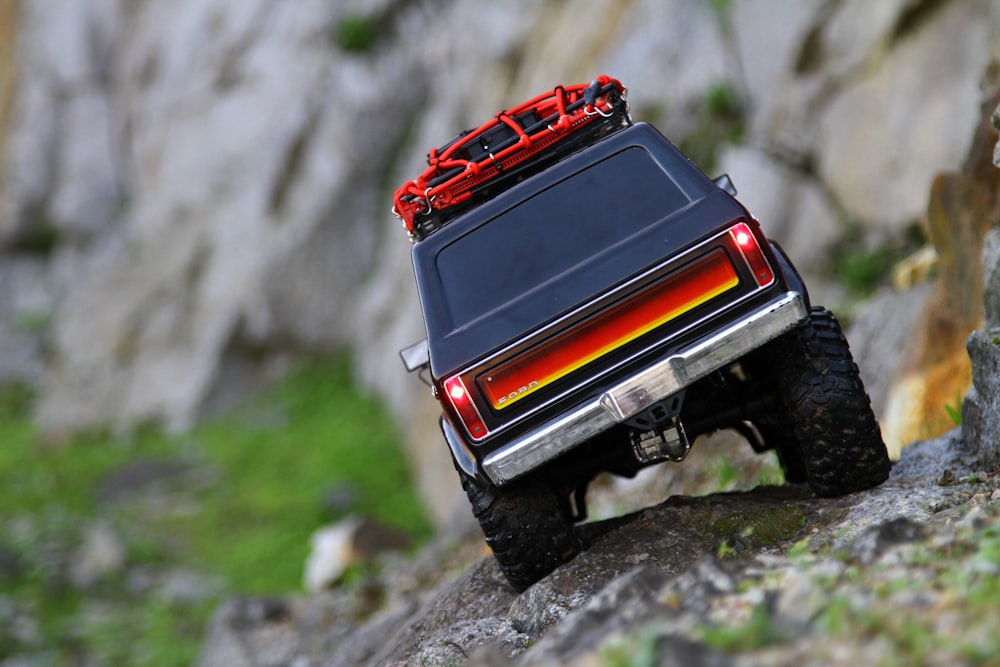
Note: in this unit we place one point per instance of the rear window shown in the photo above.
(554, 238)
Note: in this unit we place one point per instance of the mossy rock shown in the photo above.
(764, 528)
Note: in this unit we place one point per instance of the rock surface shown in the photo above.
(350, 541)
(981, 408)
(934, 369)
(754, 577)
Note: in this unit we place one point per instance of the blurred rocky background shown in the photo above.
(195, 194)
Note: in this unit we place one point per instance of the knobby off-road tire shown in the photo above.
(526, 525)
(827, 429)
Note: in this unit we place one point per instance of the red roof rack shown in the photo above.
(475, 160)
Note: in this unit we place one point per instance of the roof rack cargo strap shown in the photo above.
(510, 138)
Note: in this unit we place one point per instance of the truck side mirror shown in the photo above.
(416, 357)
(725, 183)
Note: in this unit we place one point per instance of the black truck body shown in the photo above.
(599, 315)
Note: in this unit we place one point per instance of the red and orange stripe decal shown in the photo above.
(625, 322)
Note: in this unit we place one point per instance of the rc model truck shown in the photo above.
(593, 303)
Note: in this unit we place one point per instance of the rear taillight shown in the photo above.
(747, 244)
(458, 396)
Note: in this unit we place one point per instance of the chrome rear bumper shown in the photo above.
(638, 392)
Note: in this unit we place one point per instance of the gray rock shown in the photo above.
(700, 585)
(184, 587)
(878, 349)
(101, 554)
(142, 476)
(927, 65)
(629, 601)
(926, 461)
(356, 645)
(250, 631)
(481, 592)
(991, 278)
(981, 407)
(799, 599)
(455, 644)
(11, 564)
(768, 60)
(875, 541)
(26, 303)
(351, 541)
(996, 123)
(690, 42)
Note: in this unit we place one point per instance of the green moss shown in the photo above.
(15, 404)
(326, 436)
(764, 528)
(34, 322)
(722, 468)
(961, 573)
(723, 103)
(863, 266)
(954, 411)
(40, 236)
(759, 631)
(721, 6)
(356, 34)
(250, 494)
(638, 649)
(864, 270)
(721, 115)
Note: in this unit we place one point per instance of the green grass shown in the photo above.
(862, 266)
(969, 576)
(864, 270)
(633, 650)
(759, 631)
(861, 605)
(954, 410)
(356, 34)
(241, 516)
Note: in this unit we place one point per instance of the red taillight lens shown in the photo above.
(457, 392)
(458, 396)
(747, 244)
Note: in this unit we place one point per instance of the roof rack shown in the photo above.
(477, 164)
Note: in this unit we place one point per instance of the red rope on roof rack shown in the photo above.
(450, 177)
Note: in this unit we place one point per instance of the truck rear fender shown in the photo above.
(792, 277)
(460, 452)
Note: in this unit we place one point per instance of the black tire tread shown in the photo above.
(827, 411)
(774, 431)
(525, 525)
